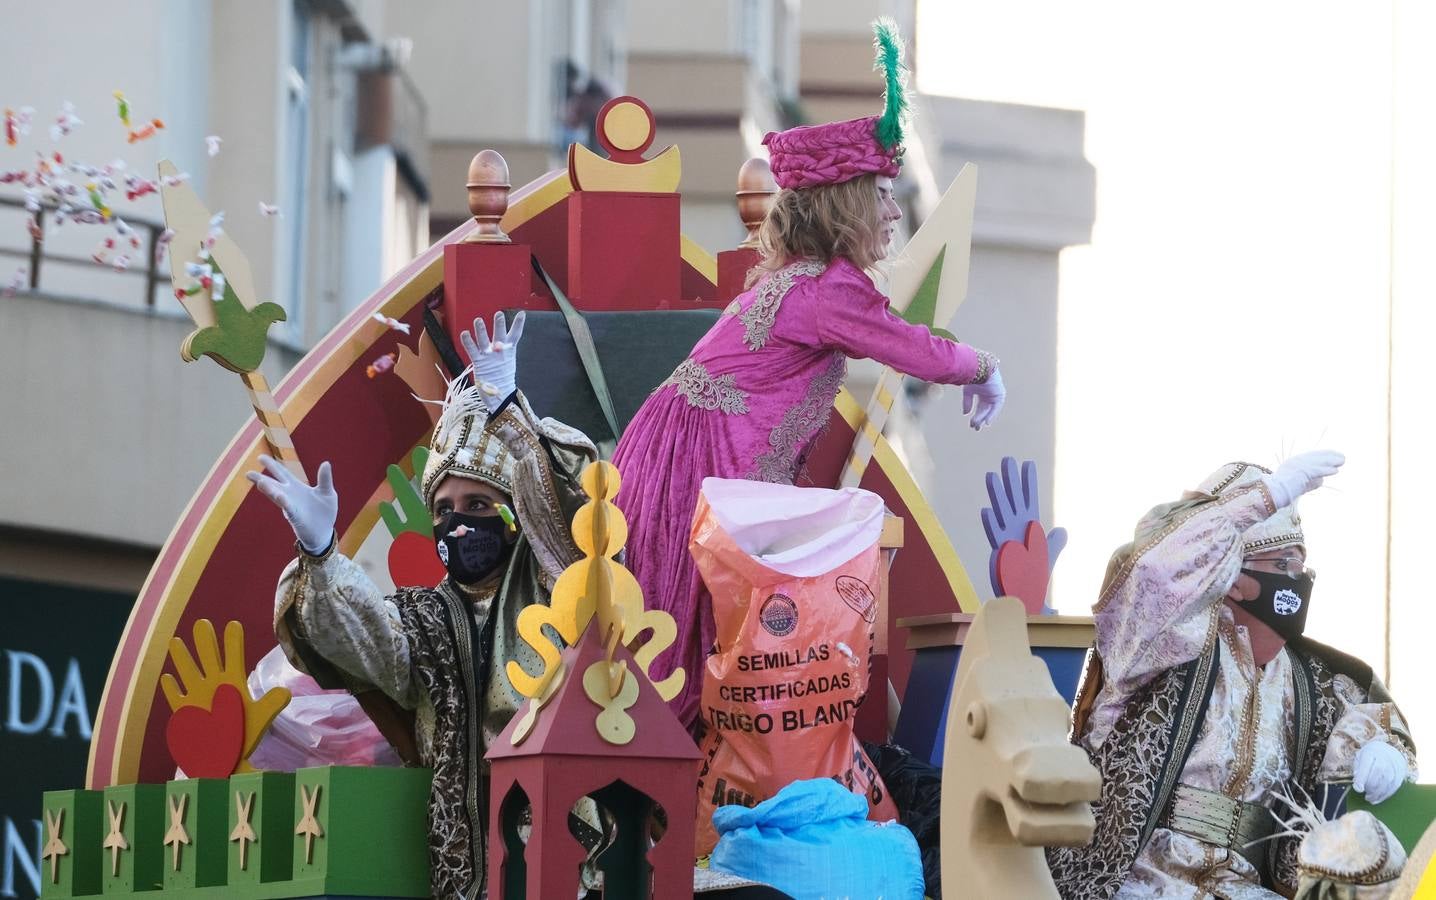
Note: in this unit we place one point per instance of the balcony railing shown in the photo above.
(53, 270)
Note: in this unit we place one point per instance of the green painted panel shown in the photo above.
(1408, 812)
(195, 833)
(259, 847)
(130, 855)
(374, 824)
(74, 827)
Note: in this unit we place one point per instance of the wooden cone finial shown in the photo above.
(488, 197)
(756, 188)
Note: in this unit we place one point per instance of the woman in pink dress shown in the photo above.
(756, 390)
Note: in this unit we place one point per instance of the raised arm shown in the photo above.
(1158, 600)
(548, 455)
(329, 616)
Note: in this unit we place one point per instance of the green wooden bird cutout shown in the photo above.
(238, 338)
(232, 329)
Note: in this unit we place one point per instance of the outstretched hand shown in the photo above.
(496, 361)
(984, 401)
(311, 511)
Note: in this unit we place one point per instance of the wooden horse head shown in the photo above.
(1011, 782)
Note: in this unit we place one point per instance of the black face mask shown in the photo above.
(1283, 602)
(478, 553)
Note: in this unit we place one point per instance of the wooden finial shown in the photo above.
(756, 188)
(488, 197)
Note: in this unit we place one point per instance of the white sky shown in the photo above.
(1233, 303)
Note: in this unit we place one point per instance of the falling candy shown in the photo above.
(17, 281)
(381, 365)
(98, 201)
(137, 187)
(147, 131)
(211, 144)
(269, 211)
(124, 108)
(65, 122)
(216, 230)
(17, 124)
(162, 244)
(508, 516)
(391, 323)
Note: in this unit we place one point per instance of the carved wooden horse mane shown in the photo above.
(1011, 782)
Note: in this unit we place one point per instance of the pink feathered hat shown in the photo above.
(810, 155)
(829, 154)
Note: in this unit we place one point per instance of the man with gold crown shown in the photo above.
(1203, 702)
(502, 486)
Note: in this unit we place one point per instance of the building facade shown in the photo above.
(357, 120)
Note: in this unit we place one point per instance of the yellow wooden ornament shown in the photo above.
(614, 723)
(534, 706)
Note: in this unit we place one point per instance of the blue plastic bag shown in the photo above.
(813, 841)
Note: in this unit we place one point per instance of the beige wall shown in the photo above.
(482, 67)
(703, 27)
(108, 433)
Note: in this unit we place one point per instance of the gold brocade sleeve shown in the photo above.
(548, 457)
(335, 625)
(1364, 716)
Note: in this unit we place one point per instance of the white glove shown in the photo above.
(495, 362)
(984, 401)
(1378, 771)
(1301, 474)
(311, 511)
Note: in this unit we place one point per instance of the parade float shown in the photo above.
(615, 296)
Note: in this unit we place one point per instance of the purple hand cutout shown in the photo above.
(1015, 504)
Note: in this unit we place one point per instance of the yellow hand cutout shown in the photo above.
(197, 683)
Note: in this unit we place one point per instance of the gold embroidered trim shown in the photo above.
(759, 317)
(986, 365)
(785, 441)
(696, 385)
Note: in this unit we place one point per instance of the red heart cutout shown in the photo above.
(1023, 570)
(207, 743)
(414, 562)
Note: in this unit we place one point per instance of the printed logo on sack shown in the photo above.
(1286, 603)
(778, 615)
(858, 595)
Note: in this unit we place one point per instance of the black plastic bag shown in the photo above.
(916, 788)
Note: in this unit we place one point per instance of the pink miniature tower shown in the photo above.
(594, 726)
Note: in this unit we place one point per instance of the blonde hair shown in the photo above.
(822, 222)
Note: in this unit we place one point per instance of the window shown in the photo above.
(295, 172)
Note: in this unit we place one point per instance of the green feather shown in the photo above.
(888, 46)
